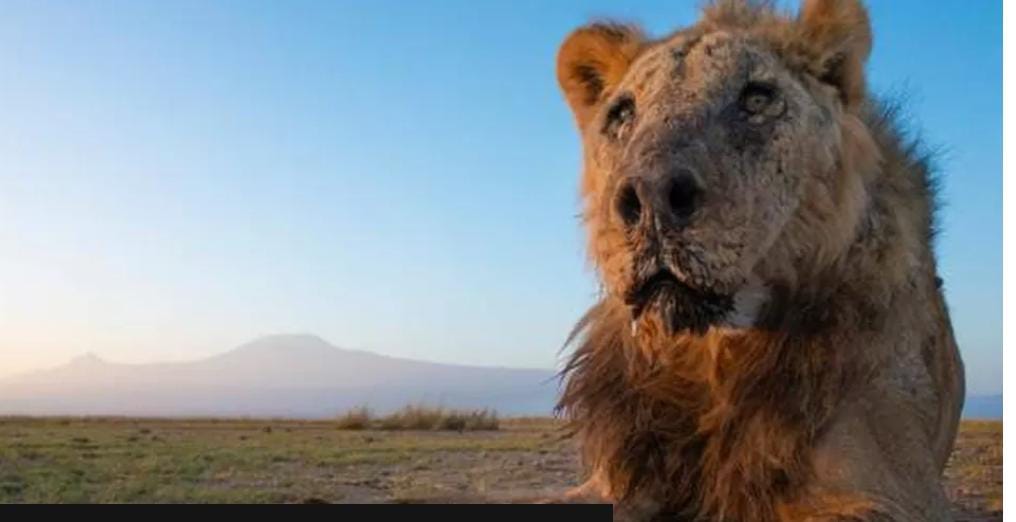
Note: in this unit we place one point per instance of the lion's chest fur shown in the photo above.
(719, 425)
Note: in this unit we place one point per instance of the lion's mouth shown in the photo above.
(642, 293)
(679, 306)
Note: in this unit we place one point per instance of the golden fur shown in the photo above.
(840, 399)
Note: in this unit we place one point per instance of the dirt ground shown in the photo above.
(973, 477)
(134, 460)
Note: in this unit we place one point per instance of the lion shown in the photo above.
(771, 341)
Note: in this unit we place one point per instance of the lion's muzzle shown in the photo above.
(678, 306)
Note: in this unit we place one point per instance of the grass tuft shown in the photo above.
(355, 419)
(420, 418)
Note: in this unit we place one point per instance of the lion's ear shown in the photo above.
(592, 61)
(838, 36)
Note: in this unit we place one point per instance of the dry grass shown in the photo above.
(355, 419)
(974, 474)
(420, 418)
(272, 460)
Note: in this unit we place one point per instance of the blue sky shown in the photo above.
(179, 177)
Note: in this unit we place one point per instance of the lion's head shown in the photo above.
(721, 161)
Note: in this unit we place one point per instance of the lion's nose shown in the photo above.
(682, 194)
(672, 198)
(628, 204)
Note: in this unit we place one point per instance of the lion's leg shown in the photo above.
(882, 513)
(589, 492)
(858, 479)
(596, 490)
(842, 507)
(864, 516)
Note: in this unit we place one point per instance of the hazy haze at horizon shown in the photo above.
(180, 178)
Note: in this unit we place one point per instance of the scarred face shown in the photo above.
(713, 166)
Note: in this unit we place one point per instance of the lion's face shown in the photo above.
(704, 162)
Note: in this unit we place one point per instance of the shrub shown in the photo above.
(418, 417)
(355, 419)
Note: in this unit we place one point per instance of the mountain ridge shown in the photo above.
(293, 375)
(93, 358)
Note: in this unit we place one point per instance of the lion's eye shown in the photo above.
(756, 98)
(620, 114)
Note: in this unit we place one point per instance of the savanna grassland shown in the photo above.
(218, 460)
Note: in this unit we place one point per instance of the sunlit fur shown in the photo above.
(840, 400)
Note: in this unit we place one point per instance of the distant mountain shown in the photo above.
(983, 407)
(293, 376)
(284, 375)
